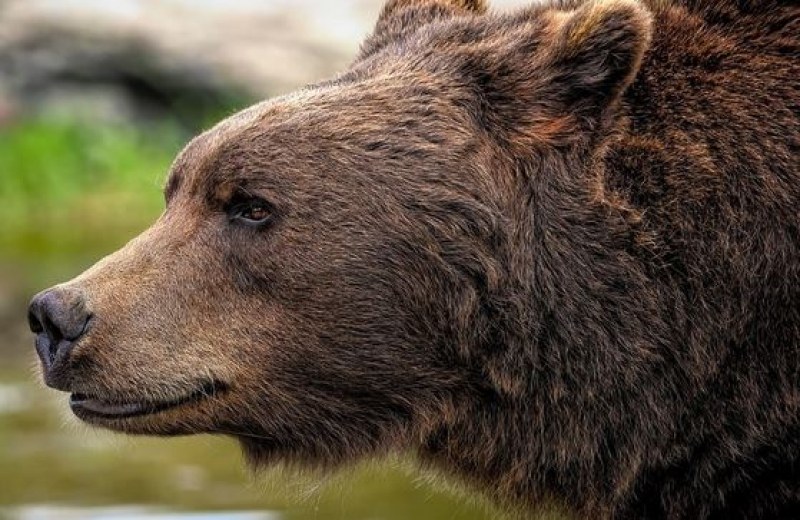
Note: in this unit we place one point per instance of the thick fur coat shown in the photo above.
(555, 252)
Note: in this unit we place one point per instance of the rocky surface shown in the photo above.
(127, 58)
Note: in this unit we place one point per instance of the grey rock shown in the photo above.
(127, 59)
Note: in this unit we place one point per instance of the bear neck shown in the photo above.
(574, 334)
(604, 381)
(583, 403)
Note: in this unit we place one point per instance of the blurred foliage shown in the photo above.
(65, 184)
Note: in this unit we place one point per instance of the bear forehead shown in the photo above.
(334, 122)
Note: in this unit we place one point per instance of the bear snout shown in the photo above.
(59, 318)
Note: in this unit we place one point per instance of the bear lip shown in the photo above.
(84, 405)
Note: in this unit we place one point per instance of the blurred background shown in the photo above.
(96, 98)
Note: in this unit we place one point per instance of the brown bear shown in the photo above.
(554, 252)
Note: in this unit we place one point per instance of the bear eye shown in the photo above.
(253, 212)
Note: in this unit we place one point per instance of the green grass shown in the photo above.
(66, 186)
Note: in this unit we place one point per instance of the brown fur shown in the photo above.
(556, 252)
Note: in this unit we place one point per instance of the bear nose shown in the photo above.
(59, 319)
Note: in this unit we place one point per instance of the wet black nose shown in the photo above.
(58, 318)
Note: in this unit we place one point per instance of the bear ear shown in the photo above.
(597, 51)
(569, 82)
(401, 17)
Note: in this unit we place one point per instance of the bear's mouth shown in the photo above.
(90, 406)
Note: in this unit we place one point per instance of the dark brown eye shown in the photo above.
(254, 212)
(257, 213)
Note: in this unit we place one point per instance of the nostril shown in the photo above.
(54, 332)
(33, 322)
